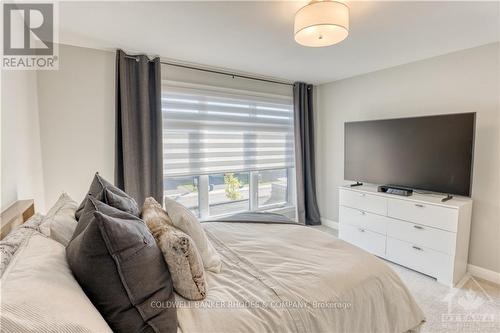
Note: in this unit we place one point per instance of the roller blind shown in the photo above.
(216, 130)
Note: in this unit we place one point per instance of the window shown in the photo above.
(184, 190)
(228, 193)
(273, 187)
(227, 151)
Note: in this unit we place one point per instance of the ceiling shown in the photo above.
(257, 37)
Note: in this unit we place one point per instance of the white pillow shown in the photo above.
(40, 294)
(183, 219)
(60, 222)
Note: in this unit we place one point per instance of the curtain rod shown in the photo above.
(216, 72)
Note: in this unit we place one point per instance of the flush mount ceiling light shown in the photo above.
(321, 23)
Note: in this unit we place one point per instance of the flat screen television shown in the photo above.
(432, 153)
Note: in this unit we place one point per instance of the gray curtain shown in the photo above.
(138, 158)
(307, 206)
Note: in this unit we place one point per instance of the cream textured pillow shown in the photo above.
(183, 219)
(60, 222)
(180, 253)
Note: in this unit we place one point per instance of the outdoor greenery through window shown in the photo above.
(228, 151)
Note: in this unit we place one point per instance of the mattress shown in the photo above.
(292, 278)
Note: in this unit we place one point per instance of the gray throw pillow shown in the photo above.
(108, 197)
(117, 263)
(113, 196)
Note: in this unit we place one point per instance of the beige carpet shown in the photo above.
(473, 307)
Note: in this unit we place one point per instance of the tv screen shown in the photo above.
(432, 153)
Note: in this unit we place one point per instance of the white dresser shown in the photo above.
(419, 231)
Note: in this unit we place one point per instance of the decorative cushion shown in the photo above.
(113, 197)
(16, 238)
(39, 293)
(183, 219)
(86, 216)
(180, 253)
(60, 222)
(118, 264)
(107, 196)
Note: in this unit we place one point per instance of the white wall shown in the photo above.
(77, 116)
(62, 120)
(77, 108)
(21, 171)
(465, 81)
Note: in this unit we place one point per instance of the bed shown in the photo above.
(274, 278)
(292, 278)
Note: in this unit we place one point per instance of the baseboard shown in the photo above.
(463, 281)
(330, 223)
(484, 273)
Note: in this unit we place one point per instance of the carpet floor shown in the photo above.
(472, 307)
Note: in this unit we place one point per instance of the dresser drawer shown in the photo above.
(422, 259)
(429, 215)
(435, 239)
(367, 202)
(362, 219)
(365, 239)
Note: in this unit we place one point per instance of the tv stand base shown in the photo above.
(448, 197)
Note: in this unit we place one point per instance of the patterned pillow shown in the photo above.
(16, 238)
(183, 219)
(180, 253)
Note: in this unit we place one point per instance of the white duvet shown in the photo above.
(291, 278)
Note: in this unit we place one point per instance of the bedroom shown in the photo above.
(241, 127)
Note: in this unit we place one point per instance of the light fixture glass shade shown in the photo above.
(321, 23)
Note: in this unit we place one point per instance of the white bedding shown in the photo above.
(39, 293)
(299, 280)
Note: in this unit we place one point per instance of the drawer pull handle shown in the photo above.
(362, 230)
(419, 205)
(417, 248)
(418, 227)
